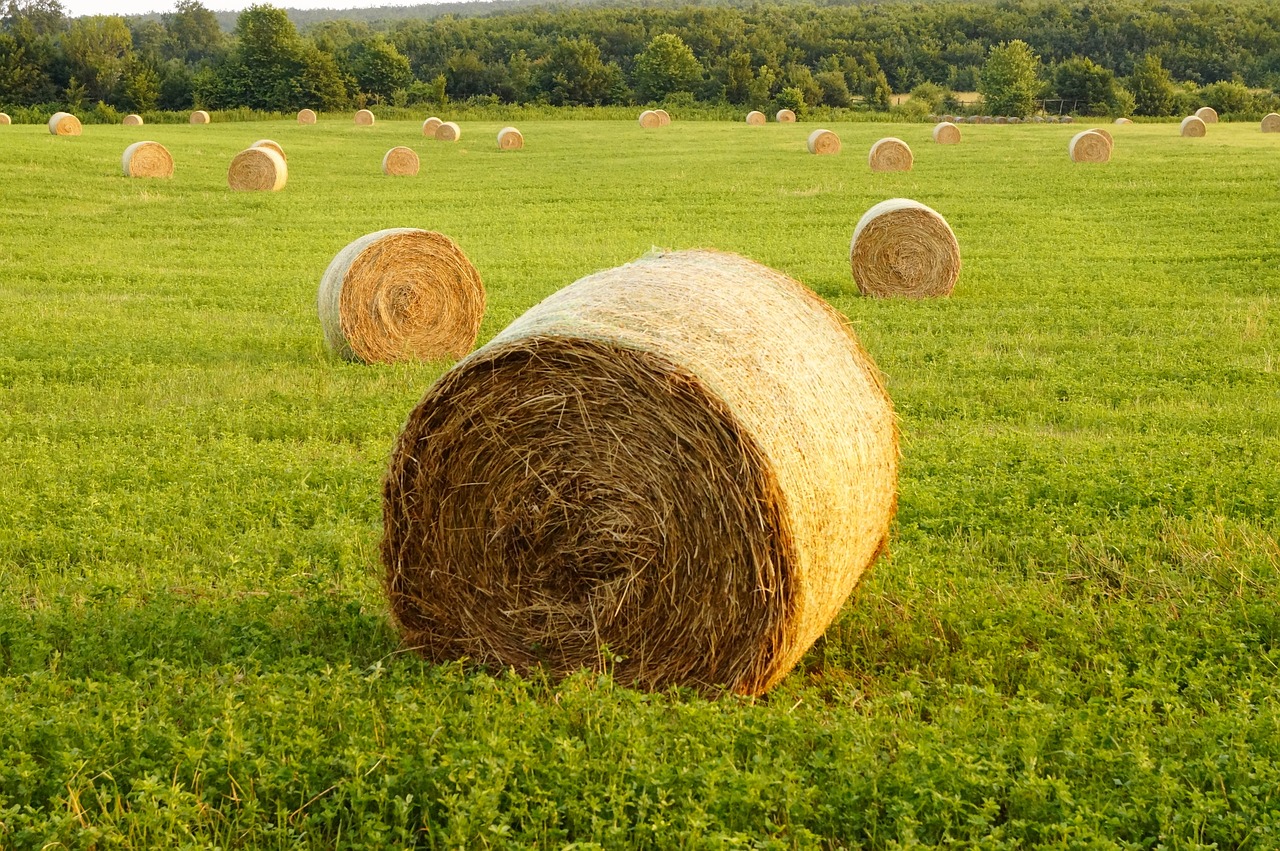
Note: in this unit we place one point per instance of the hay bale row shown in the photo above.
(147, 159)
(890, 154)
(510, 139)
(132, 120)
(756, 118)
(199, 117)
(257, 170)
(689, 459)
(400, 162)
(1089, 146)
(946, 133)
(903, 248)
(823, 143)
(1192, 127)
(64, 124)
(306, 116)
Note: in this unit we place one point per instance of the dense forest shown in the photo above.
(1115, 57)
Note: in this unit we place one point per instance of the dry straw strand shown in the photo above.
(400, 162)
(649, 119)
(1089, 146)
(785, 116)
(1192, 126)
(510, 139)
(400, 294)
(448, 131)
(689, 460)
(430, 126)
(946, 133)
(147, 159)
(890, 154)
(275, 146)
(199, 117)
(823, 142)
(64, 124)
(132, 120)
(1271, 123)
(1207, 114)
(257, 169)
(306, 116)
(364, 118)
(5, 119)
(901, 247)
(663, 118)
(756, 118)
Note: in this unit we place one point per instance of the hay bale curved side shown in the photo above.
(1105, 134)
(430, 126)
(199, 117)
(649, 119)
(257, 170)
(663, 117)
(756, 118)
(890, 154)
(363, 118)
(510, 139)
(132, 120)
(1192, 127)
(946, 133)
(448, 131)
(1207, 114)
(536, 507)
(274, 146)
(1123, 121)
(5, 120)
(147, 159)
(64, 124)
(901, 247)
(785, 116)
(823, 142)
(400, 294)
(400, 162)
(1271, 123)
(1089, 146)
(306, 116)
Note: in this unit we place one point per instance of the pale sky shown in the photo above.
(76, 8)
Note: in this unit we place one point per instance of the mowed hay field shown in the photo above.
(1075, 641)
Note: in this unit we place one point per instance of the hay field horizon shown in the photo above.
(1074, 641)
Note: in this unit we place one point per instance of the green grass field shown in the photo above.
(1075, 642)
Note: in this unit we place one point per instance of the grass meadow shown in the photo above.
(1075, 642)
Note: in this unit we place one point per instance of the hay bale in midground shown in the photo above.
(400, 162)
(199, 117)
(1123, 121)
(448, 131)
(306, 116)
(663, 117)
(257, 170)
(364, 118)
(1192, 126)
(5, 119)
(510, 139)
(1207, 114)
(1089, 146)
(1270, 123)
(132, 120)
(946, 133)
(689, 460)
(64, 124)
(401, 294)
(147, 159)
(275, 146)
(756, 118)
(890, 154)
(901, 247)
(430, 126)
(823, 142)
(785, 116)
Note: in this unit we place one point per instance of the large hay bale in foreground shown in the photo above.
(401, 294)
(890, 154)
(5, 119)
(823, 142)
(1105, 134)
(448, 131)
(1089, 146)
(430, 126)
(132, 120)
(1271, 123)
(510, 139)
(147, 159)
(663, 118)
(364, 118)
(275, 146)
(756, 118)
(257, 170)
(650, 120)
(689, 460)
(1192, 126)
(64, 124)
(199, 117)
(1207, 114)
(400, 162)
(306, 116)
(901, 247)
(785, 116)
(946, 133)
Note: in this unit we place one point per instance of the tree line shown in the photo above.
(1119, 57)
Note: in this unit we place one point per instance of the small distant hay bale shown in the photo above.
(5, 119)
(1123, 121)
(275, 146)
(401, 294)
(1053, 119)
(430, 126)
(950, 119)
(64, 124)
(364, 118)
(306, 116)
(946, 133)
(689, 460)
(199, 117)
(132, 120)
(1192, 126)
(1002, 120)
(257, 170)
(400, 162)
(1015, 120)
(1089, 146)
(448, 131)
(823, 143)
(1038, 119)
(663, 118)
(890, 154)
(1271, 123)
(147, 159)
(785, 116)
(649, 120)
(756, 118)
(903, 248)
(1207, 114)
(510, 139)
(1067, 119)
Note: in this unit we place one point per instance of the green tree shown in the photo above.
(194, 34)
(1227, 97)
(1008, 82)
(379, 68)
(666, 66)
(264, 71)
(98, 49)
(835, 89)
(1152, 87)
(320, 81)
(575, 73)
(1085, 85)
(141, 88)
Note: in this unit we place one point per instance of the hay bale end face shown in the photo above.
(199, 117)
(5, 120)
(901, 247)
(756, 118)
(1106, 134)
(1207, 114)
(64, 124)
(823, 143)
(785, 116)
(1192, 126)
(364, 118)
(306, 116)
(257, 170)
(1089, 146)
(650, 120)
(510, 139)
(275, 146)
(448, 131)
(663, 118)
(688, 459)
(946, 133)
(400, 162)
(132, 120)
(430, 126)
(147, 159)
(1271, 123)
(401, 294)
(890, 154)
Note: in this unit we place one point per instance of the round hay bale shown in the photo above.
(1039, 119)
(649, 119)
(147, 159)
(1270, 123)
(1106, 134)
(257, 170)
(430, 126)
(401, 294)
(448, 131)
(400, 162)
(132, 120)
(64, 124)
(901, 247)
(786, 116)
(823, 142)
(890, 154)
(1123, 121)
(1207, 114)
(306, 116)
(663, 118)
(756, 118)
(1002, 120)
(689, 460)
(946, 133)
(1192, 126)
(364, 118)
(949, 119)
(199, 117)
(510, 139)
(1089, 146)
(275, 146)
(1067, 119)
(5, 119)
